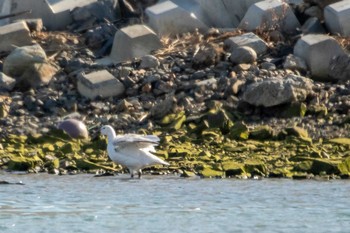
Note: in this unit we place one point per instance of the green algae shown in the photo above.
(213, 146)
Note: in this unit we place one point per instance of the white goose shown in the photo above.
(132, 150)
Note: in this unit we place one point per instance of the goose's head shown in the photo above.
(107, 130)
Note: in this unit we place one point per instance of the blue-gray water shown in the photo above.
(82, 203)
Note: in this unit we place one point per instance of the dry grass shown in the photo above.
(190, 42)
(343, 41)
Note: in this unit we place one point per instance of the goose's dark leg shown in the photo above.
(139, 173)
(131, 173)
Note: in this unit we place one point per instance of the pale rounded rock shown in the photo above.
(74, 128)
(243, 54)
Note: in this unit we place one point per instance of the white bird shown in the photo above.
(132, 150)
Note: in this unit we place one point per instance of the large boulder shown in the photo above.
(275, 91)
(29, 66)
(23, 57)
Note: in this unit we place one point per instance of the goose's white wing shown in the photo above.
(136, 138)
(134, 151)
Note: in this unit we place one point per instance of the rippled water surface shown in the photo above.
(83, 203)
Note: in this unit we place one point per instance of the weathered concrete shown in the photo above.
(248, 39)
(54, 13)
(169, 18)
(100, 83)
(317, 50)
(270, 14)
(14, 35)
(5, 9)
(132, 42)
(337, 17)
(214, 18)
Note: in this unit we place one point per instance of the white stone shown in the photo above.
(269, 14)
(5, 9)
(337, 17)
(100, 83)
(133, 42)
(248, 39)
(14, 35)
(168, 18)
(317, 50)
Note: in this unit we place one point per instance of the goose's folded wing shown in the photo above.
(137, 138)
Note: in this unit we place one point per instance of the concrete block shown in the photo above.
(270, 14)
(133, 42)
(14, 35)
(248, 39)
(223, 19)
(5, 9)
(337, 17)
(100, 83)
(237, 9)
(169, 18)
(317, 50)
(54, 13)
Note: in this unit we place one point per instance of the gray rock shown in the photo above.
(36, 75)
(21, 58)
(243, 54)
(275, 91)
(312, 25)
(7, 83)
(294, 63)
(74, 128)
(339, 68)
(149, 61)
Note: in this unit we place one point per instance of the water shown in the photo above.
(82, 203)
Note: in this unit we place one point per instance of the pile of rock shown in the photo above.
(270, 62)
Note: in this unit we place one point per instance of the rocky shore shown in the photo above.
(220, 109)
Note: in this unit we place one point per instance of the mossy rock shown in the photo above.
(341, 141)
(294, 110)
(344, 167)
(261, 133)
(209, 172)
(284, 172)
(298, 132)
(239, 131)
(174, 121)
(23, 163)
(219, 118)
(327, 166)
(70, 147)
(317, 110)
(255, 167)
(304, 166)
(233, 168)
(187, 174)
